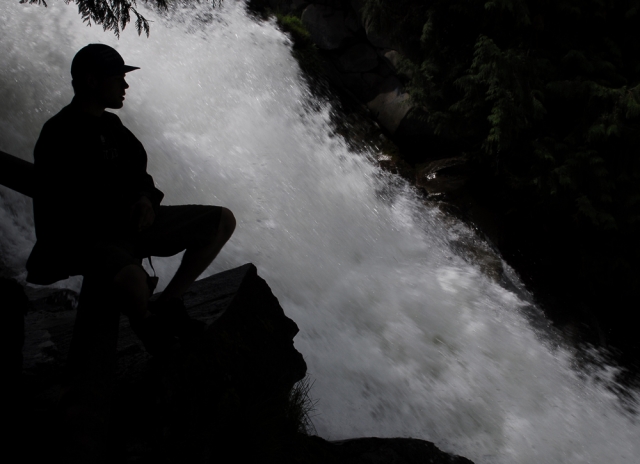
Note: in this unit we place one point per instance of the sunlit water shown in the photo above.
(402, 337)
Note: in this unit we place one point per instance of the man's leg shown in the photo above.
(196, 260)
(132, 292)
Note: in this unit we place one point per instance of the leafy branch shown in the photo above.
(114, 15)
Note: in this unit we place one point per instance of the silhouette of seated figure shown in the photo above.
(97, 211)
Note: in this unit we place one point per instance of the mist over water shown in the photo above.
(401, 335)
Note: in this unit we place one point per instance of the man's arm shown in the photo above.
(142, 182)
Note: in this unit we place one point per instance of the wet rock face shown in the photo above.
(356, 59)
(444, 176)
(391, 105)
(253, 318)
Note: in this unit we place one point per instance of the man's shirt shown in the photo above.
(89, 172)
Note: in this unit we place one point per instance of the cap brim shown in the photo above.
(118, 71)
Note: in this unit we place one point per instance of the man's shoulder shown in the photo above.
(60, 118)
(64, 120)
(59, 134)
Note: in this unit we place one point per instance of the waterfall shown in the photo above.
(402, 336)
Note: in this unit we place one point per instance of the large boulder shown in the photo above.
(236, 297)
(377, 32)
(394, 59)
(391, 104)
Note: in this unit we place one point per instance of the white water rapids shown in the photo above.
(401, 336)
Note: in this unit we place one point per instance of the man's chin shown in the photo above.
(116, 105)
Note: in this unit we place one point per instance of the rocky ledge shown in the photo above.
(363, 61)
(239, 394)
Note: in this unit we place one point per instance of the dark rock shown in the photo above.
(383, 69)
(357, 6)
(390, 451)
(377, 35)
(354, 82)
(435, 184)
(14, 308)
(397, 166)
(440, 176)
(417, 140)
(329, 27)
(374, 81)
(247, 352)
(358, 58)
(282, 6)
(298, 5)
(361, 86)
(391, 105)
(50, 325)
(394, 59)
(379, 38)
(479, 253)
(352, 21)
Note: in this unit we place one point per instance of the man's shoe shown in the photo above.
(155, 336)
(178, 321)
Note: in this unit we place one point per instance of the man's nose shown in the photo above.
(126, 86)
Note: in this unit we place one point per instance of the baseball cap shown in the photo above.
(100, 59)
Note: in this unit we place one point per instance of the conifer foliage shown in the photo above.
(114, 15)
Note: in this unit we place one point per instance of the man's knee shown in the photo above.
(227, 223)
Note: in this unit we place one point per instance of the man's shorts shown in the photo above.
(174, 229)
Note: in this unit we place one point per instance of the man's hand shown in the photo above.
(142, 214)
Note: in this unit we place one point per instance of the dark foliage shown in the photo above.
(544, 96)
(114, 15)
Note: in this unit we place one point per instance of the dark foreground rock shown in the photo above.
(392, 451)
(236, 395)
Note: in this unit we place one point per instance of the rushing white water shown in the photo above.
(402, 337)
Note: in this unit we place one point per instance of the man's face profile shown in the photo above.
(105, 91)
(110, 91)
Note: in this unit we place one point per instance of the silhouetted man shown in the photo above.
(97, 211)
